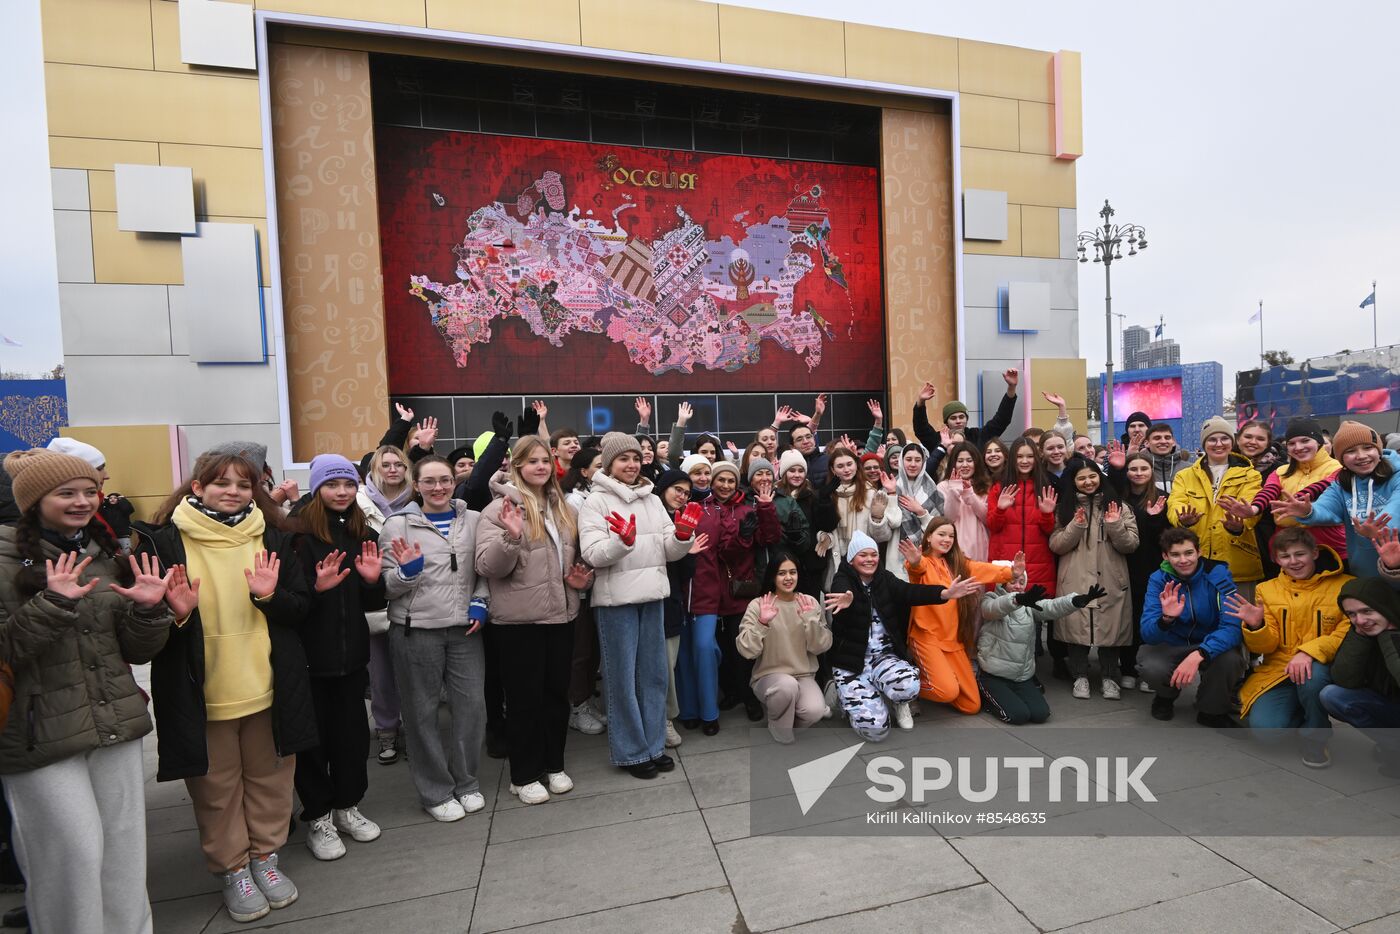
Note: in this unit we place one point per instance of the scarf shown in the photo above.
(65, 543)
(385, 505)
(923, 491)
(237, 647)
(225, 518)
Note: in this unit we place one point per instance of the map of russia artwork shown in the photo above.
(522, 265)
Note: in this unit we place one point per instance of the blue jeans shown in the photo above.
(1371, 713)
(1288, 706)
(697, 669)
(632, 640)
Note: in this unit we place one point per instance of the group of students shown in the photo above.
(800, 583)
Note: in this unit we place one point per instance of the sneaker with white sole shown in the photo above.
(244, 900)
(472, 801)
(1144, 687)
(581, 718)
(1127, 682)
(323, 840)
(1081, 688)
(360, 828)
(447, 812)
(902, 716)
(832, 696)
(673, 739)
(275, 886)
(1111, 690)
(560, 783)
(388, 747)
(533, 793)
(599, 710)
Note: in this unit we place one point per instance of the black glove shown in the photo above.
(1084, 599)
(500, 425)
(748, 525)
(1032, 596)
(529, 422)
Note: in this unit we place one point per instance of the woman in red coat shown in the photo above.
(1020, 517)
(736, 525)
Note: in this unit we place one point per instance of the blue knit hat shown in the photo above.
(859, 542)
(327, 467)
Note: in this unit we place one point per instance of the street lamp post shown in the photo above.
(1107, 241)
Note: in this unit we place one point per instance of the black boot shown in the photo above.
(16, 918)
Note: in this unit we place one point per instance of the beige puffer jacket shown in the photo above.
(73, 687)
(526, 578)
(627, 575)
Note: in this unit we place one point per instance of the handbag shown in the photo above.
(741, 588)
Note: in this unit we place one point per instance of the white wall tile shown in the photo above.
(112, 390)
(984, 275)
(1028, 306)
(217, 34)
(155, 199)
(114, 319)
(195, 439)
(984, 214)
(70, 189)
(72, 231)
(1069, 234)
(223, 308)
(993, 388)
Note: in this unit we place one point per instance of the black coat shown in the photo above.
(334, 633)
(891, 598)
(994, 427)
(177, 673)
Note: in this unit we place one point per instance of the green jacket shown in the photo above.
(73, 685)
(797, 533)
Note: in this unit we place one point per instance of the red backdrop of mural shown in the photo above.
(521, 266)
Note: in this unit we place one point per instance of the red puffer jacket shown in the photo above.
(1023, 527)
(736, 528)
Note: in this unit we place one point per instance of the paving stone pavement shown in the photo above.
(619, 855)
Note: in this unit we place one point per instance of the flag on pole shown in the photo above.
(1157, 331)
(9, 341)
(1257, 315)
(1370, 299)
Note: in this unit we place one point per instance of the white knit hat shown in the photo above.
(76, 448)
(790, 458)
(860, 542)
(693, 461)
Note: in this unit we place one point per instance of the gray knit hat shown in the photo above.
(255, 452)
(614, 444)
(758, 463)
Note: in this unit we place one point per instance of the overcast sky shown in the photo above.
(1255, 141)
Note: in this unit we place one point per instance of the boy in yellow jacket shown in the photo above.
(1297, 626)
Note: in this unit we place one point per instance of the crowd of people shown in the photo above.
(538, 581)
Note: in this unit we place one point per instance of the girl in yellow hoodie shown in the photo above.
(1297, 626)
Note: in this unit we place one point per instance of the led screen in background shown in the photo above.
(1160, 399)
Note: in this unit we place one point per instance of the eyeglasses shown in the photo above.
(433, 484)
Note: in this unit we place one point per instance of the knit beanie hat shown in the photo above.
(1374, 592)
(1303, 428)
(1352, 434)
(257, 453)
(667, 479)
(790, 458)
(616, 443)
(758, 463)
(953, 408)
(871, 456)
(1216, 425)
(1392, 441)
(79, 449)
(456, 454)
(691, 461)
(859, 542)
(325, 467)
(37, 471)
(724, 466)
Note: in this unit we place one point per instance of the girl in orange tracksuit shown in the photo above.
(942, 637)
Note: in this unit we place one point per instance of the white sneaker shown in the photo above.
(581, 718)
(902, 717)
(472, 802)
(1110, 690)
(447, 812)
(832, 697)
(1128, 682)
(1081, 688)
(673, 739)
(323, 841)
(599, 710)
(360, 828)
(1144, 687)
(533, 793)
(560, 783)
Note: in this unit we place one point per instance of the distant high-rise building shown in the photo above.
(1135, 338)
(1159, 353)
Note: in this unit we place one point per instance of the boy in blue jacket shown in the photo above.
(1188, 631)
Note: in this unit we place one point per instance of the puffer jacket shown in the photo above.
(1166, 467)
(177, 672)
(1355, 498)
(1096, 553)
(1025, 528)
(1194, 489)
(885, 595)
(796, 534)
(1299, 616)
(1205, 621)
(623, 574)
(524, 577)
(736, 528)
(334, 631)
(1006, 641)
(73, 687)
(440, 595)
(1371, 662)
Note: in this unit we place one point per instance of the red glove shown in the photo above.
(687, 520)
(625, 529)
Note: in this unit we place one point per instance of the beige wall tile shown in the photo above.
(102, 191)
(228, 181)
(779, 40)
(400, 12)
(139, 457)
(989, 122)
(1027, 178)
(123, 256)
(679, 28)
(1005, 71)
(1037, 127)
(546, 20)
(71, 152)
(1069, 105)
(1040, 231)
(901, 57)
(98, 32)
